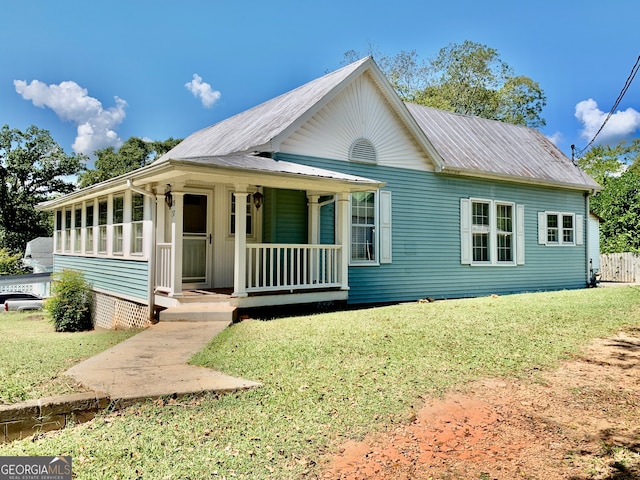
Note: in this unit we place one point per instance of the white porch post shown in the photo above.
(343, 230)
(161, 215)
(314, 220)
(177, 210)
(240, 250)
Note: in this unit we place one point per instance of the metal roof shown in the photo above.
(269, 165)
(475, 145)
(458, 144)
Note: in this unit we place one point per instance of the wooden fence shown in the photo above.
(620, 267)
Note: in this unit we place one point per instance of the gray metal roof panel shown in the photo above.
(265, 164)
(476, 144)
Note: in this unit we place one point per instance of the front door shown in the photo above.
(196, 241)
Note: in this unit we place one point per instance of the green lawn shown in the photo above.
(33, 356)
(332, 377)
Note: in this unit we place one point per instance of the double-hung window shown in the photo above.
(363, 227)
(371, 239)
(249, 216)
(67, 230)
(118, 219)
(88, 219)
(77, 228)
(137, 225)
(560, 228)
(481, 231)
(567, 229)
(102, 225)
(492, 232)
(58, 235)
(504, 232)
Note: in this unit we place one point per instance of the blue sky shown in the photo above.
(97, 73)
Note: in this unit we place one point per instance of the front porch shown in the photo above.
(274, 274)
(270, 233)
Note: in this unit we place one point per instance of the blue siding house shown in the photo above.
(334, 191)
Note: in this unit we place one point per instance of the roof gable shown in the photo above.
(360, 112)
(263, 128)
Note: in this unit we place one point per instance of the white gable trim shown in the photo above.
(395, 106)
(360, 111)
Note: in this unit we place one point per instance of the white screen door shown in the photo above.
(195, 241)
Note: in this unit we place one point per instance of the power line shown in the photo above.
(627, 84)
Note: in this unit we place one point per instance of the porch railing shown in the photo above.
(164, 275)
(272, 267)
(275, 266)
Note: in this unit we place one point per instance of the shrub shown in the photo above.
(11, 264)
(70, 305)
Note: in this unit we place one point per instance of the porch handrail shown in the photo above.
(286, 266)
(164, 274)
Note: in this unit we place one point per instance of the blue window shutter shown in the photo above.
(520, 234)
(542, 228)
(579, 229)
(465, 231)
(385, 226)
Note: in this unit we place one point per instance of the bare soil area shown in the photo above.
(579, 422)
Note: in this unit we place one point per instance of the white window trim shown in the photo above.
(118, 235)
(578, 229)
(136, 224)
(58, 230)
(77, 229)
(466, 233)
(90, 233)
(67, 219)
(231, 216)
(376, 222)
(102, 228)
(382, 230)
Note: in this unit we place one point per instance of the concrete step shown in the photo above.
(202, 312)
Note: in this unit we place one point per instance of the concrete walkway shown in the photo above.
(153, 363)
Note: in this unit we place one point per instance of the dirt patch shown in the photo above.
(581, 421)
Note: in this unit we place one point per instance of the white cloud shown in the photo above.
(556, 138)
(202, 90)
(620, 125)
(96, 126)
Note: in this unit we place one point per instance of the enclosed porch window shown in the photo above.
(102, 225)
(137, 225)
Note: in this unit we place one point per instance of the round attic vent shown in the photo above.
(362, 150)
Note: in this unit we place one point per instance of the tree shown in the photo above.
(605, 161)
(468, 78)
(133, 154)
(618, 204)
(33, 168)
(11, 264)
(617, 169)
